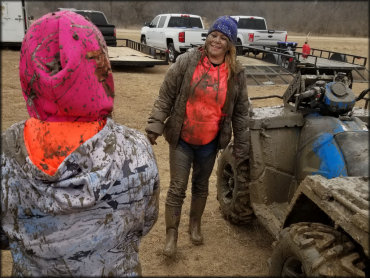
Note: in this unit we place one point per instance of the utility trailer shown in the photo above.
(15, 22)
(260, 72)
(132, 53)
(286, 61)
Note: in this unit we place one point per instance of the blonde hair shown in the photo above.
(230, 56)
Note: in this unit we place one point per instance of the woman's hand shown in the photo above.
(152, 137)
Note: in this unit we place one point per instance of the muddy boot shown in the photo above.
(196, 212)
(172, 216)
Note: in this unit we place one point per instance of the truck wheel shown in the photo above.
(239, 48)
(313, 249)
(232, 189)
(172, 53)
(143, 40)
(255, 52)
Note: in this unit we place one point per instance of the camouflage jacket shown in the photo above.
(168, 112)
(87, 219)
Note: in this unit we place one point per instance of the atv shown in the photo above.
(306, 178)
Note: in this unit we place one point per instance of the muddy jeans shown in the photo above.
(182, 157)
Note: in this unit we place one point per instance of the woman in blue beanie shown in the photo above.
(202, 100)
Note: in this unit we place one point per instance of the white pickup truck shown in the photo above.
(252, 31)
(14, 22)
(175, 33)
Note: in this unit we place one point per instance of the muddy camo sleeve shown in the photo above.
(152, 196)
(152, 189)
(240, 119)
(4, 243)
(152, 210)
(167, 95)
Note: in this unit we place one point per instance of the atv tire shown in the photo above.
(172, 53)
(143, 40)
(232, 189)
(313, 249)
(239, 48)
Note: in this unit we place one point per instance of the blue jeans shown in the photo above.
(182, 158)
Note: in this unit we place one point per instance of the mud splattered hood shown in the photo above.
(64, 69)
(88, 218)
(81, 180)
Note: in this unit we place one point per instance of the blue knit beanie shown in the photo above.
(227, 26)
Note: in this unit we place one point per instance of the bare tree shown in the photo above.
(318, 17)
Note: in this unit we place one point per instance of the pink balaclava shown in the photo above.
(65, 71)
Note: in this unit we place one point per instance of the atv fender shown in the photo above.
(343, 201)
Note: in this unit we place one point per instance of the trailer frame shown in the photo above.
(293, 62)
(132, 53)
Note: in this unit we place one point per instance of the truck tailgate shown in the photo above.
(266, 37)
(107, 30)
(195, 36)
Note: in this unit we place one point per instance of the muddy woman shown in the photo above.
(78, 190)
(202, 101)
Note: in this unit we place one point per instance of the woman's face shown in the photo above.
(217, 44)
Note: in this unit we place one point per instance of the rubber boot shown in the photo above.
(196, 211)
(172, 218)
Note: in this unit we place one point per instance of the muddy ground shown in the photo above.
(228, 250)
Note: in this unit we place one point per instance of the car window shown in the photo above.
(155, 21)
(252, 23)
(96, 18)
(182, 21)
(161, 21)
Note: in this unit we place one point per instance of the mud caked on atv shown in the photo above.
(306, 178)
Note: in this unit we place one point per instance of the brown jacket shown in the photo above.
(168, 112)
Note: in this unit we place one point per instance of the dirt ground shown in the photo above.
(228, 250)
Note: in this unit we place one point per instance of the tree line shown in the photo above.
(349, 18)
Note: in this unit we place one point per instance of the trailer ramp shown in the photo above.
(262, 73)
(267, 75)
(132, 53)
(293, 61)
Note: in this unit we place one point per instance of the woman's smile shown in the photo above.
(217, 46)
